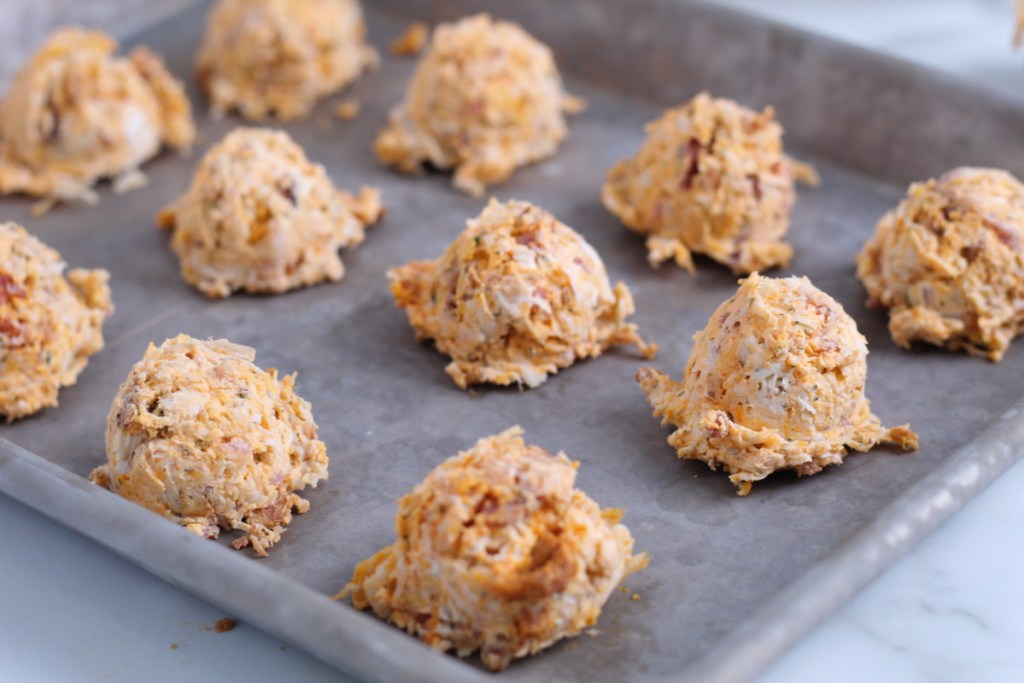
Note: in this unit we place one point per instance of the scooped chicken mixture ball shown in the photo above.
(203, 437)
(949, 263)
(775, 381)
(515, 297)
(260, 217)
(277, 58)
(485, 99)
(76, 113)
(49, 324)
(710, 178)
(497, 552)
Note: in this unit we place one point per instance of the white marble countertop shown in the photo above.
(950, 611)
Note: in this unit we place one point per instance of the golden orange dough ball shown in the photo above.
(484, 100)
(260, 217)
(710, 178)
(277, 58)
(775, 381)
(201, 436)
(515, 297)
(49, 324)
(497, 552)
(949, 263)
(75, 113)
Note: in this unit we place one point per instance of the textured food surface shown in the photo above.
(77, 113)
(949, 263)
(775, 381)
(260, 217)
(277, 58)
(709, 178)
(485, 99)
(49, 324)
(201, 435)
(389, 414)
(497, 551)
(515, 297)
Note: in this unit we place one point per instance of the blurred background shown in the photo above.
(969, 37)
(22, 30)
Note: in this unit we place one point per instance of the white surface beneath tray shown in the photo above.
(950, 611)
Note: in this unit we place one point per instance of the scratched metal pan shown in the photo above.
(732, 581)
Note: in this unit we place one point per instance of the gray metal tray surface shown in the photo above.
(732, 581)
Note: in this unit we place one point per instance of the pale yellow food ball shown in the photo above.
(49, 324)
(775, 381)
(497, 552)
(710, 178)
(517, 296)
(260, 217)
(76, 113)
(948, 263)
(485, 99)
(278, 58)
(203, 437)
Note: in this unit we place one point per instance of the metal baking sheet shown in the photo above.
(733, 581)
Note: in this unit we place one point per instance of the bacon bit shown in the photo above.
(487, 505)
(528, 238)
(224, 625)
(823, 310)
(720, 429)
(755, 183)
(288, 191)
(971, 252)
(692, 149)
(411, 42)
(11, 328)
(9, 289)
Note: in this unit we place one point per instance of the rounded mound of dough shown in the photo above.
(76, 113)
(709, 178)
(497, 552)
(949, 263)
(260, 217)
(203, 437)
(515, 297)
(49, 324)
(775, 381)
(485, 99)
(277, 58)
